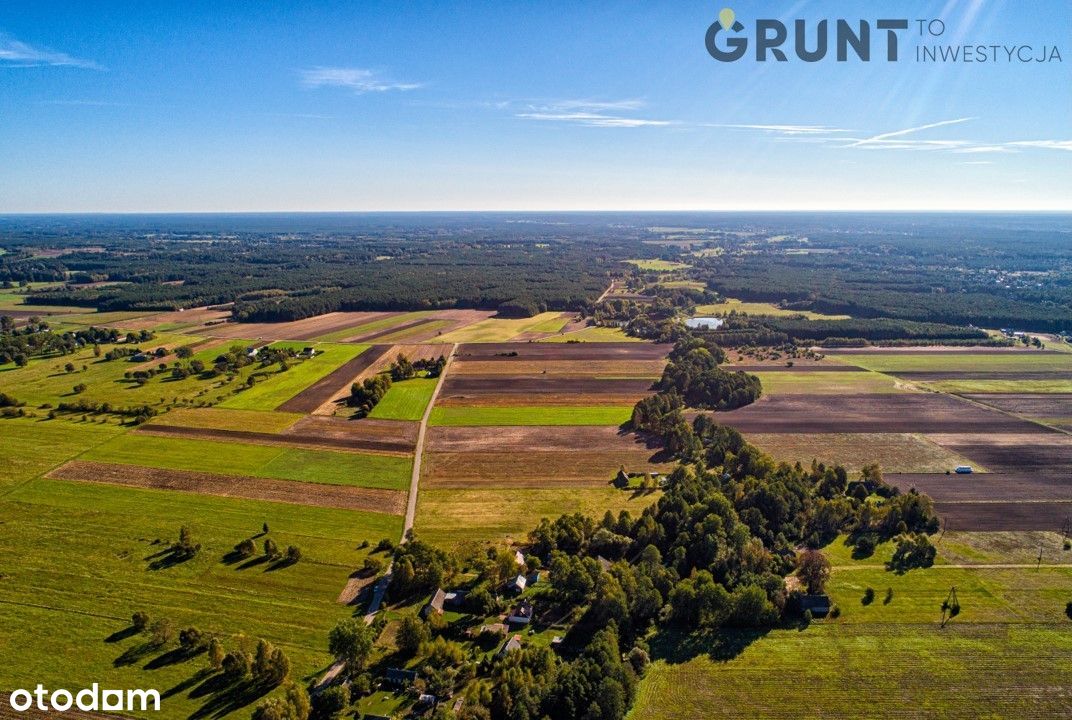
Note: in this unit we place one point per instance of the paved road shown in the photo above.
(415, 479)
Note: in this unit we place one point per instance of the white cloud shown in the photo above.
(592, 113)
(884, 138)
(788, 129)
(359, 80)
(1045, 144)
(14, 53)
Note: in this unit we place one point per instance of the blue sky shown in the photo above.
(227, 106)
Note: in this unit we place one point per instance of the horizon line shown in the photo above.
(951, 210)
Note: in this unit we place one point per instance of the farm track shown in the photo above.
(341, 497)
(314, 442)
(320, 392)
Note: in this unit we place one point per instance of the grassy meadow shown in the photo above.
(405, 400)
(276, 390)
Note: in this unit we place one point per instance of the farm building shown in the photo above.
(307, 352)
(399, 677)
(819, 605)
(443, 599)
(517, 585)
(522, 613)
(509, 646)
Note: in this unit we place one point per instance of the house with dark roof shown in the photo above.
(399, 677)
(522, 613)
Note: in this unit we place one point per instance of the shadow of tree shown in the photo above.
(118, 635)
(135, 654)
(679, 646)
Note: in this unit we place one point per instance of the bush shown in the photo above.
(869, 596)
(293, 554)
(139, 620)
(372, 566)
(1068, 610)
(865, 546)
(247, 548)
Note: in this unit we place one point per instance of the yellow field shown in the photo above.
(500, 329)
(759, 308)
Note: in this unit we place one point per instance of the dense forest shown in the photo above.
(989, 271)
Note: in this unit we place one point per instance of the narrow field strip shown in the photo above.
(284, 491)
(292, 440)
(530, 415)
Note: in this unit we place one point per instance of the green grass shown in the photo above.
(658, 265)
(497, 329)
(75, 569)
(593, 334)
(551, 325)
(1001, 386)
(531, 415)
(225, 419)
(405, 400)
(45, 380)
(232, 458)
(1010, 636)
(29, 448)
(451, 517)
(759, 308)
(273, 392)
(1008, 361)
(826, 383)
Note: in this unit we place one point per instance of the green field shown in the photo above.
(759, 308)
(658, 265)
(273, 392)
(226, 419)
(593, 334)
(232, 458)
(551, 325)
(531, 415)
(1010, 636)
(78, 563)
(827, 383)
(1000, 386)
(497, 329)
(452, 517)
(406, 400)
(46, 380)
(1008, 361)
(29, 448)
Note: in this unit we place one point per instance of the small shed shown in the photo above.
(519, 557)
(819, 605)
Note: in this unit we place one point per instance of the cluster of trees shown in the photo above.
(272, 552)
(693, 373)
(365, 395)
(137, 413)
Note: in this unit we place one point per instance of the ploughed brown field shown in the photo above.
(324, 389)
(314, 441)
(305, 329)
(197, 316)
(502, 352)
(343, 497)
(871, 413)
(1041, 405)
(998, 516)
(522, 439)
(534, 469)
(936, 349)
(987, 487)
(505, 390)
(1046, 453)
(395, 434)
(608, 369)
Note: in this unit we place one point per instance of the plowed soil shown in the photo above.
(895, 412)
(396, 434)
(993, 516)
(561, 351)
(517, 439)
(250, 488)
(1043, 405)
(305, 329)
(534, 469)
(290, 439)
(574, 368)
(983, 487)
